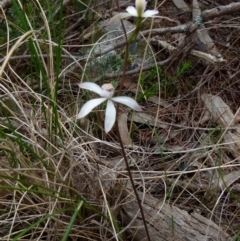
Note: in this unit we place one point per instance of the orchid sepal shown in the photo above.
(89, 106)
(95, 88)
(128, 102)
(110, 116)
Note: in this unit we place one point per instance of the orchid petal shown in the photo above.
(149, 13)
(110, 116)
(91, 86)
(128, 102)
(132, 11)
(119, 16)
(88, 106)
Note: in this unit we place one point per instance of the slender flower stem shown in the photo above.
(125, 64)
(133, 35)
(132, 182)
(128, 42)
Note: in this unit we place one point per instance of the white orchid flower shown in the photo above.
(138, 11)
(106, 92)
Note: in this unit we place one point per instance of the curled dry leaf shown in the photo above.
(181, 5)
(219, 110)
(123, 129)
(222, 115)
(227, 180)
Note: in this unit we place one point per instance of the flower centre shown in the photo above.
(108, 90)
